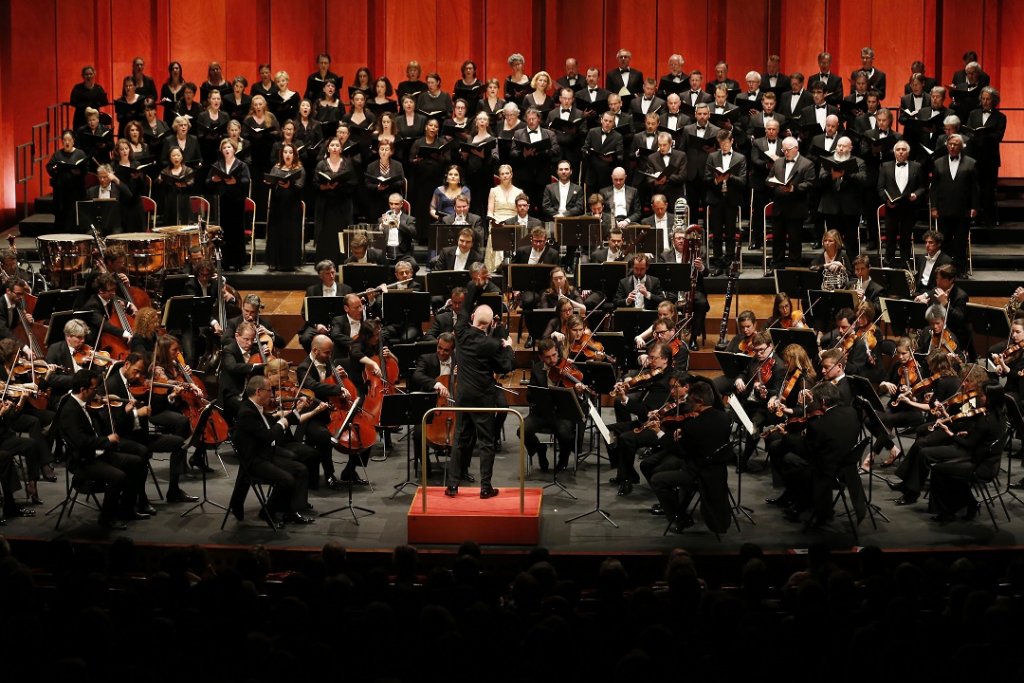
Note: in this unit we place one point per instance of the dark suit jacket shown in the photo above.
(446, 259)
(479, 357)
(736, 187)
(7, 330)
(372, 256)
(318, 289)
(531, 223)
(472, 220)
(807, 116)
(98, 318)
(876, 81)
(697, 157)
(987, 143)
(573, 201)
(117, 191)
(600, 255)
(582, 101)
(690, 99)
(426, 372)
(232, 324)
(80, 433)
(791, 108)
(842, 196)
(673, 174)
(235, 369)
(59, 354)
(955, 197)
(919, 261)
(682, 121)
(626, 286)
(632, 202)
(793, 204)
(632, 80)
(916, 184)
(549, 256)
(833, 84)
(612, 146)
(760, 163)
(657, 104)
(542, 161)
(254, 441)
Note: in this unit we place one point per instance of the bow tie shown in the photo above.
(592, 90)
(954, 158)
(823, 77)
(695, 92)
(567, 111)
(701, 127)
(790, 161)
(900, 164)
(820, 106)
(624, 71)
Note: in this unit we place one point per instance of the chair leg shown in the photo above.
(152, 474)
(849, 516)
(980, 494)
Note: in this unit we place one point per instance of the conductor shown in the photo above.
(478, 356)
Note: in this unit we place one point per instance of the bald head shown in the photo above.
(482, 317)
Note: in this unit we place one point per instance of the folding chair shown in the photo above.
(845, 478)
(260, 488)
(250, 220)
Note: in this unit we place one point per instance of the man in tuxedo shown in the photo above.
(543, 414)
(60, 356)
(764, 152)
(624, 81)
(479, 357)
(109, 185)
(832, 84)
(345, 328)
(929, 126)
(875, 77)
(917, 68)
(953, 299)
(971, 80)
(749, 102)
(13, 299)
(926, 265)
(698, 139)
(427, 376)
(235, 367)
(901, 186)
(523, 217)
(955, 198)
(401, 235)
(661, 218)
(726, 193)
(460, 256)
(360, 251)
(819, 112)
(97, 456)
(648, 103)
(623, 121)
(639, 290)
(531, 163)
(841, 194)
(444, 318)
(572, 78)
(755, 126)
(672, 117)
(722, 78)
(792, 103)
(677, 255)
(989, 126)
(670, 165)
(562, 197)
(251, 307)
(644, 144)
(620, 200)
(792, 178)
(327, 286)
(675, 79)
(971, 74)
(463, 216)
(539, 252)
(602, 151)
(258, 443)
(772, 77)
(569, 126)
(592, 100)
(101, 308)
(610, 253)
(696, 94)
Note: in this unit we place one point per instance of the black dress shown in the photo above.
(169, 101)
(83, 98)
(236, 109)
(231, 201)
(333, 207)
(210, 133)
(96, 144)
(479, 175)
(407, 134)
(284, 221)
(175, 208)
(154, 137)
(261, 138)
(284, 109)
(427, 173)
(67, 178)
(133, 217)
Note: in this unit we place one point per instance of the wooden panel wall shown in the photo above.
(44, 43)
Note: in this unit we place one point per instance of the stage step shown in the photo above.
(495, 521)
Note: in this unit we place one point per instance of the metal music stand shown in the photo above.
(595, 415)
(645, 238)
(406, 409)
(537, 320)
(863, 395)
(187, 312)
(732, 364)
(674, 277)
(442, 235)
(408, 353)
(55, 331)
(196, 442)
(899, 314)
(503, 238)
(894, 281)
(797, 282)
(804, 337)
(440, 283)
(614, 345)
(54, 300)
(322, 309)
(357, 405)
(174, 285)
(363, 276)
(823, 305)
(601, 277)
(402, 306)
(578, 232)
(988, 321)
(632, 321)
(562, 402)
(105, 214)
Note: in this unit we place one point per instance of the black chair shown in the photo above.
(1016, 421)
(849, 487)
(986, 473)
(74, 485)
(260, 488)
(734, 508)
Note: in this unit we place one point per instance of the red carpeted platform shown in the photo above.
(495, 521)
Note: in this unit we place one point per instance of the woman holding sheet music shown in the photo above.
(67, 168)
(381, 101)
(187, 144)
(211, 127)
(172, 90)
(427, 158)
(178, 182)
(383, 176)
(94, 139)
(469, 86)
(335, 180)
(229, 179)
(479, 162)
(284, 213)
(410, 125)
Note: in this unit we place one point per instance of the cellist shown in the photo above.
(315, 373)
(427, 376)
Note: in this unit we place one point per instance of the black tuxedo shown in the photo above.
(791, 208)
(791, 107)
(954, 199)
(630, 79)
(919, 263)
(259, 445)
(474, 221)
(632, 202)
(574, 200)
(585, 104)
(318, 289)
(373, 256)
(232, 324)
(533, 172)
(696, 157)
(841, 201)
(531, 223)
(681, 121)
(987, 139)
(671, 181)
(8, 319)
(59, 354)
(723, 207)
(235, 370)
(601, 157)
(692, 99)
(876, 81)
(635, 108)
(829, 439)
(446, 259)
(117, 191)
(731, 84)
(832, 84)
(900, 218)
(100, 315)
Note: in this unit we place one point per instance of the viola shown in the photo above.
(589, 348)
(787, 389)
(665, 414)
(746, 345)
(942, 341)
(636, 380)
(949, 419)
(794, 424)
(564, 374)
(103, 402)
(87, 356)
(1012, 351)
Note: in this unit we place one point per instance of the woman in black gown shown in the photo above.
(262, 130)
(229, 179)
(95, 139)
(380, 101)
(133, 217)
(480, 163)
(383, 176)
(177, 183)
(67, 169)
(285, 101)
(266, 85)
(469, 87)
(428, 168)
(211, 127)
(336, 182)
(188, 144)
(171, 91)
(284, 215)
(409, 127)
(154, 131)
(237, 104)
(87, 94)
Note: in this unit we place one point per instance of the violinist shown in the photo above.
(1008, 358)
(793, 404)
(699, 465)
(637, 397)
(759, 382)
(558, 327)
(542, 417)
(742, 342)
(666, 309)
(61, 358)
(18, 417)
(430, 368)
(97, 454)
(314, 372)
(235, 367)
(949, 294)
(101, 306)
(169, 410)
(664, 331)
(783, 314)
(251, 307)
(140, 409)
(580, 344)
(937, 336)
(853, 343)
(284, 393)
(959, 413)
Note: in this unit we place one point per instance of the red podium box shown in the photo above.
(494, 521)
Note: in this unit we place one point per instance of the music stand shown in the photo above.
(357, 405)
(105, 214)
(674, 277)
(875, 427)
(174, 285)
(601, 277)
(406, 410)
(796, 282)
(196, 442)
(895, 282)
(595, 415)
(632, 321)
(440, 283)
(322, 309)
(494, 301)
(442, 235)
(614, 345)
(563, 403)
(537, 320)
(644, 238)
(535, 277)
(805, 338)
(363, 276)
(401, 306)
(407, 354)
(55, 330)
(898, 313)
(576, 232)
(187, 312)
(503, 237)
(988, 321)
(823, 305)
(54, 300)
(732, 364)
(377, 238)
(598, 375)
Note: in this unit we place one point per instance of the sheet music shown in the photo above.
(595, 414)
(741, 415)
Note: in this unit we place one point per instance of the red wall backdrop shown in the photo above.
(44, 43)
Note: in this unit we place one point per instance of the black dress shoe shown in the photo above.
(633, 479)
(145, 509)
(50, 476)
(238, 512)
(353, 479)
(199, 464)
(972, 511)
(681, 524)
(488, 491)
(656, 509)
(179, 496)
(905, 499)
(272, 520)
(625, 488)
(782, 501)
(112, 523)
(451, 491)
(333, 483)
(132, 516)
(895, 485)
(297, 518)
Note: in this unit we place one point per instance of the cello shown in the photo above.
(441, 429)
(216, 430)
(362, 431)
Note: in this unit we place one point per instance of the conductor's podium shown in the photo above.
(495, 521)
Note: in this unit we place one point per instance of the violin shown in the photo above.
(949, 419)
(746, 345)
(911, 383)
(942, 341)
(794, 424)
(787, 389)
(142, 388)
(104, 402)
(589, 348)
(663, 414)
(1011, 351)
(632, 382)
(85, 355)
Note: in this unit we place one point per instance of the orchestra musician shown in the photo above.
(666, 330)
(562, 197)
(542, 417)
(784, 443)
(784, 315)
(327, 286)
(853, 343)
(742, 342)
(430, 368)
(444, 318)
(236, 367)
(936, 336)
(539, 252)
(462, 255)
(949, 294)
(559, 289)
(1008, 357)
(101, 307)
(251, 307)
(681, 253)
(869, 289)
(761, 380)
(639, 290)
(558, 327)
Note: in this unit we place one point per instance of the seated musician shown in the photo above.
(679, 253)
(612, 252)
(101, 308)
(1008, 357)
(954, 414)
(846, 336)
(251, 307)
(558, 327)
(560, 289)
(784, 442)
(949, 294)
(115, 262)
(661, 219)
(700, 430)
(621, 201)
(666, 309)
(257, 437)
(171, 413)
(639, 290)
(833, 369)
(401, 332)
(936, 336)
(61, 359)
(433, 372)
(360, 251)
(97, 454)
(444, 317)
(596, 204)
(539, 252)
(21, 425)
(783, 314)
(579, 344)
(9, 264)
(637, 397)
(868, 288)
(327, 286)
(462, 216)
(460, 256)
(15, 290)
(345, 328)
(664, 330)
(543, 418)
(235, 367)
(204, 284)
(742, 342)
(523, 219)
(305, 445)
(759, 382)
(132, 422)
(926, 265)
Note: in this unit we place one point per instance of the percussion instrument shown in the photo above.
(63, 255)
(180, 240)
(146, 251)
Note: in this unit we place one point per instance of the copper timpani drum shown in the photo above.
(63, 255)
(146, 251)
(180, 239)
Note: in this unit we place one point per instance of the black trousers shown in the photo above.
(899, 231)
(565, 434)
(289, 477)
(474, 432)
(123, 475)
(722, 224)
(786, 243)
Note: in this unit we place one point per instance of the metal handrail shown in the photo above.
(489, 411)
(23, 171)
(40, 150)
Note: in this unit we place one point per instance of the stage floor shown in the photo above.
(638, 531)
